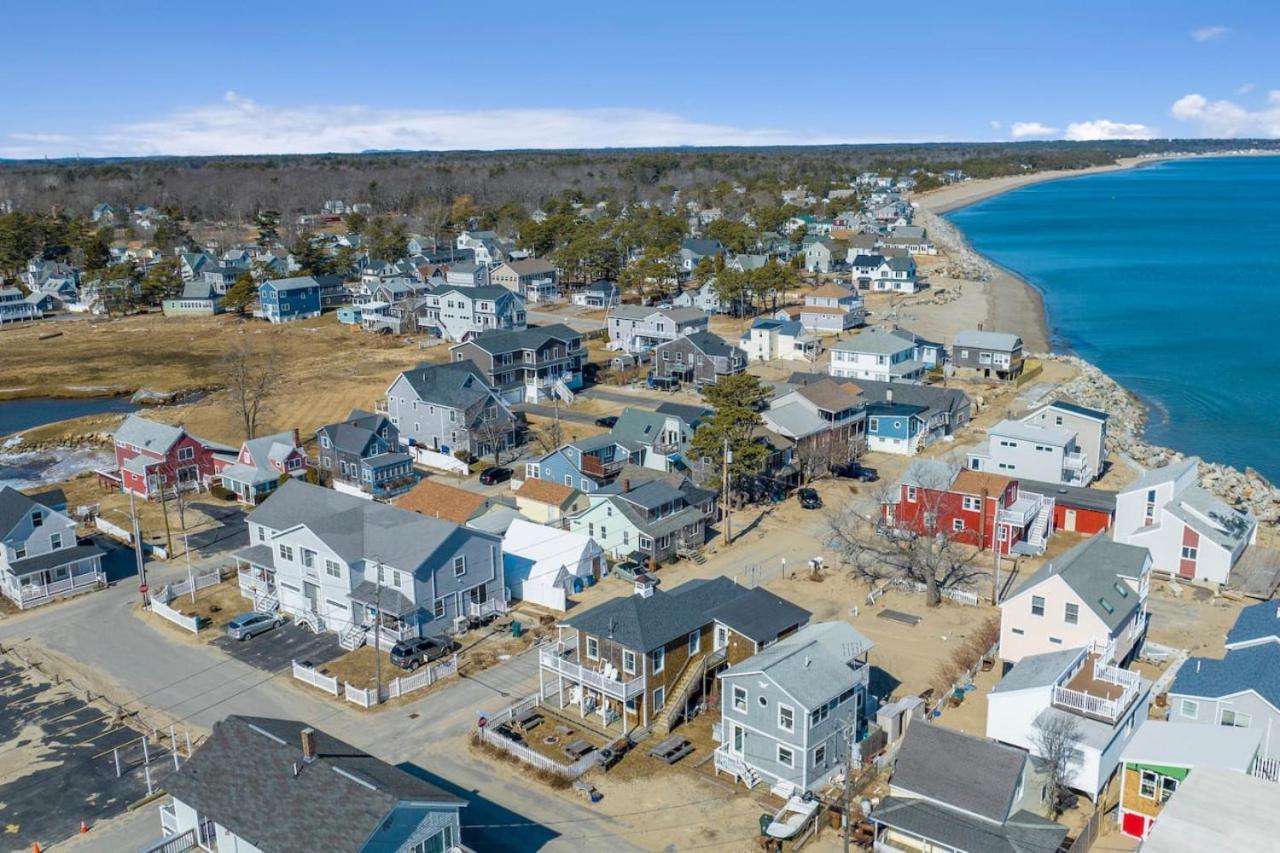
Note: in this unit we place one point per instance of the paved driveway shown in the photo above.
(278, 648)
(226, 532)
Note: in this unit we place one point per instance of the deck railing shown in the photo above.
(590, 678)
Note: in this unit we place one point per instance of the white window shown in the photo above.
(308, 558)
(1189, 553)
(1236, 719)
(1190, 709)
(739, 698)
(437, 610)
(593, 648)
(286, 553)
(957, 524)
(819, 755)
(332, 569)
(55, 541)
(1150, 781)
(695, 639)
(459, 566)
(1037, 605)
(186, 453)
(972, 504)
(659, 658)
(1072, 614)
(786, 718)
(628, 661)
(786, 757)
(37, 519)
(659, 698)
(911, 494)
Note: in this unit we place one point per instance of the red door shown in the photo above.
(1134, 825)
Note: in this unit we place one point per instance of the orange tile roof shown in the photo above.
(970, 482)
(545, 491)
(438, 500)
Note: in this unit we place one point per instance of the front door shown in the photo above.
(1069, 520)
(312, 592)
(737, 736)
(722, 637)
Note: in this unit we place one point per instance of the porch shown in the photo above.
(386, 612)
(40, 579)
(1096, 689)
(256, 575)
(597, 692)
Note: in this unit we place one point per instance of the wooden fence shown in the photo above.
(307, 675)
(1088, 834)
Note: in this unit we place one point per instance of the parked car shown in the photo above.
(411, 654)
(253, 623)
(854, 471)
(663, 383)
(494, 476)
(608, 421)
(809, 499)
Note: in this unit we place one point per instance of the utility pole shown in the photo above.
(137, 549)
(164, 509)
(377, 632)
(848, 732)
(725, 502)
(191, 575)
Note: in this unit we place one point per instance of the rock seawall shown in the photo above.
(1126, 436)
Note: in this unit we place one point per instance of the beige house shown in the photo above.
(1094, 595)
(535, 279)
(546, 502)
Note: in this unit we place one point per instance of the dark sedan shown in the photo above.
(608, 421)
(809, 499)
(854, 471)
(494, 476)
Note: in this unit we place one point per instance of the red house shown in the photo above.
(1077, 508)
(150, 453)
(981, 509)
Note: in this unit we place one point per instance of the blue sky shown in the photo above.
(137, 78)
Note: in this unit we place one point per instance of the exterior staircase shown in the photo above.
(310, 619)
(691, 554)
(678, 699)
(353, 638)
(735, 767)
(266, 602)
(1038, 535)
(561, 390)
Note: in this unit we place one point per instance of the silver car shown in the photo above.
(252, 624)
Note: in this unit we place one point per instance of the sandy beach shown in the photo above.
(951, 198)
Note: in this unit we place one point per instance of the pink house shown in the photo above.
(148, 454)
(261, 465)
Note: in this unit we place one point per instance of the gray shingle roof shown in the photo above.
(147, 434)
(811, 665)
(951, 401)
(1254, 668)
(242, 776)
(360, 529)
(14, 506)
(880, 343)
(1094, 569)
(999, 341)
(497, 341)
(1165, 474)
(645, 624)
(454, 384)
(1037, 671)
(53, 559)
(710, 343)
(1256, 622)
(760, 615)
(965, 772)
(356, 432)
(1025, 832)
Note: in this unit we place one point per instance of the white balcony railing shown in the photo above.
(590, 678)
(35, 593)
(1023, 511)
(168, 819)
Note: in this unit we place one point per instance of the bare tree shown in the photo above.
(912, 543)
(492, 429)
(1056, 740)
(549, 437)
(252, 373)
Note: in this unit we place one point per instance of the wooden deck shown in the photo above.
(1084, 682)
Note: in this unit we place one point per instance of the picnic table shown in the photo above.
(576, 749)
(530, 719)
(672, 749)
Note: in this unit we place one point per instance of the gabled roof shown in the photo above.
(1165, 474)
(934, 474)
(1254, 668)
(243, 776)
(951, 401)
(1039, 670)
(1095, 570)
(639, 426)
(760, 615)
(708, 343)
(532, 266)
(831, 396)
(263, 451)
(968, 773)
(14, 506)
(999, 341)
(688, 412)
(148, 434)
(1024, 832)
(453, 384)
(834, 291)
(301, 282)
(878, 343)
(970, 482)
(811, 665)
(440, 500)
(354, 434)
(497, 341)
(547, 492)
(644, 624)
(1256, 623)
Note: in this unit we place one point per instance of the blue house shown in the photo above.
(281, 300)
(895, 427)
(584, 465)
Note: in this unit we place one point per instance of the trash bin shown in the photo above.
(516, 628)
(765, 820)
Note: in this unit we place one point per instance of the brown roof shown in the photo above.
(447, 503)
(529, 266)
(793, 312)
(545, 491)
(970, 482)
(830, 396)
(832, 289)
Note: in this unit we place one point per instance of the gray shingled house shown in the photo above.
(448, 408)
(701, 358)
(262, 784)
(362, 455)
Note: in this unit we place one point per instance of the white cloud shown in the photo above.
(1103, 129)
(239, 125)
(1227, 118)
(1203, 34)
(1028, 129)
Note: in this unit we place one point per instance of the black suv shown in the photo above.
(854, 471)
(411, 654)
(809, 499)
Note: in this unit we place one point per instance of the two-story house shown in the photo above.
(1104, 703)
(281, 300)
(348, 565)
(704, 297)
(787, 340)
(585, 464)
(1189, 532)
(545, 502)
(946, 410)
(446, 408)
(693, 250)
(930, 353)
(536, 280)
(987, 511)
(638, 329)
(150, 455)
(456, 313)
(14, 307)
(864, 265)
(467, 274)
(832, 308)
(531, 365)
(827, 422)
(657, 440)
(1049, 454)
(822, 256)
(639, 660)
(1239, 689)
(964, 794)
(895, 275)
(650, 518)
(1094, 595)
(261, 784)
(896, 427)
(261, 465)
(701, 358)
(789, 713)
(1089, 425)
(482, 246)
(989, 355)
(361, 455)
(40, 557)
(876, 355)
(602, 294)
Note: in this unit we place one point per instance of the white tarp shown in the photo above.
(542, 564)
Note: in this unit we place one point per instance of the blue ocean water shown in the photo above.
(1167, 277)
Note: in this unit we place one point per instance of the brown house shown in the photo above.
(642, 660)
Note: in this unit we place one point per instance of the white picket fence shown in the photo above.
(363, 698)
(959, 596)
(307, 675)
(200, 582)
(163, 610)
(526, 754)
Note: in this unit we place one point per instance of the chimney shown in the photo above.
(308, 745)
(297, 438)
(626, 485)
(888, 396)
(644, 587)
